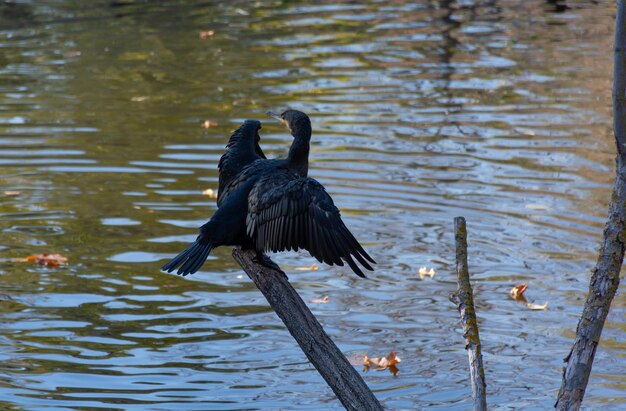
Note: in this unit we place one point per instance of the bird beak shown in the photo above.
(276, 116)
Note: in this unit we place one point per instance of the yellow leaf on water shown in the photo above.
(323, 300)
(11, 193)
(210, 193)
(209, 124)
(537, 306)
(312, 267)
(425, 272)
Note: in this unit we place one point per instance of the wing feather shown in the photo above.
(286, 212)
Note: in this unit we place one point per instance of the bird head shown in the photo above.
(253, 126)
(294, 120)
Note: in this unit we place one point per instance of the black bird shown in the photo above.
(239, 153)
(271, 205)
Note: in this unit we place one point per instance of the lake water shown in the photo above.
(498, 111)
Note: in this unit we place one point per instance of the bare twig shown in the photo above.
(464, 300)
(605, 277)
(330, 362)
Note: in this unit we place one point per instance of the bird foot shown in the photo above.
(264, 260)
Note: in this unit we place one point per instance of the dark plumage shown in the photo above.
(271, 205)
(242, 149)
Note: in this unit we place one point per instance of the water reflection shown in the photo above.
(498, 111)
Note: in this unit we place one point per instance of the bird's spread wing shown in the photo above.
(288, 213)
(242, 149)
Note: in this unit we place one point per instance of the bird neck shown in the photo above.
(298, 158)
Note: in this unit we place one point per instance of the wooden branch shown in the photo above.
(464, 299)
(605, 277)
(619, 80)
(330, 362)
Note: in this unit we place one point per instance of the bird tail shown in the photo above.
(191, 259)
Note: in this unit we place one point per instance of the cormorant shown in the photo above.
(239, 154)
(271, 205)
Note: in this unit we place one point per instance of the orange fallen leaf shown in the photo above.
(207, 34)
(537, 306)
(389, 362)
(11, 193)
(209, 124)
(423, 272)
(50, 260)
(517, 292)
(312, 267)
(210, 192)
(323, 300)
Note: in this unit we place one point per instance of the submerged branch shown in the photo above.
(330, 362)
(464, 299)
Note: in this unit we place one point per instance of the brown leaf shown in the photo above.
(206, 34)
(389, 362)
(210, 192)
(323, 300)
(50, 260)
(537, 306)
(517, 292)
(393, 369)
(209, 124)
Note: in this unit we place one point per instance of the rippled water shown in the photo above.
(497, 111)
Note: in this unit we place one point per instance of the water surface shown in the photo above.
(498, 111)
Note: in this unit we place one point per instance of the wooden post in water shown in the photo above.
(464, 300)
(330, 362)
(605, 277)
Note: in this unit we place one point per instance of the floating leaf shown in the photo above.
(424, 272)
(537, 306)
(139, 99)
(210, 192)
(312, 267)
(381, 363)
(50, 260)
(323, 300)
(206, 34)
(517, 292)
(11, 193)
(209, 124)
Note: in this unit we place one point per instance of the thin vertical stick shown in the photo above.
(464, 300)
(605, 277)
